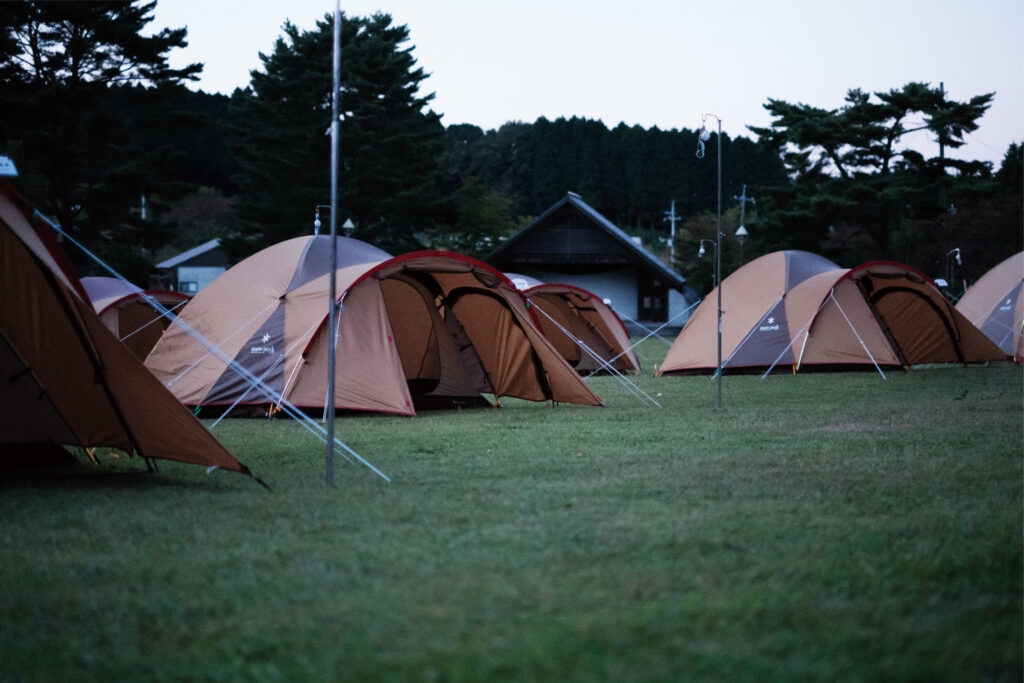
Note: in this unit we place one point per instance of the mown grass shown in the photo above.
(818, 527)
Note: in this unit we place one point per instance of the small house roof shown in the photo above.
(503, 255)
(186, 256)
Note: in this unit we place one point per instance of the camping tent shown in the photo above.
(581, 326)
(423, 329)
(995, 304)
(777, 312)
(127, 312)
(64, 378)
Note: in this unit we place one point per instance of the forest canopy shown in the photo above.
(97, 120)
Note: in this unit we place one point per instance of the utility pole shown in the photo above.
(743, 199)
(741, 232)
(942, 135)
(672, 217)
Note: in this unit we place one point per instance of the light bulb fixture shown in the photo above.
(316, 217)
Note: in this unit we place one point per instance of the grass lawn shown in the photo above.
(835, 527)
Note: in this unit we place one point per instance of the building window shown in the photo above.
(188, 287)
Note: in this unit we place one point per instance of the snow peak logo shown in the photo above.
(260, 350)
(772, 326)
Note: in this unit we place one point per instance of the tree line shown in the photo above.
(96, 120)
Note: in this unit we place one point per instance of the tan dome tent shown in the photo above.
(748, 297)
(427, 329)
(64, 378)
(127, 312)
(580, 325)
(995, 304)
(875, 315)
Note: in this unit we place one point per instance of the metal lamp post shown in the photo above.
(955, 253)
(741, 237)
(333, 311)
(703, 137)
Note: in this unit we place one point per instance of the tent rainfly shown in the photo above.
(64, 378)
(426, 329)
(995, 304)
(580, 325)
(126, 311)
(789, 309)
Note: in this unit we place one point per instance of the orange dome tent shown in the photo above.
(580, 325)
(777, 311)
(426, 329)
(127, 312)
(64, 378)
(995, 304)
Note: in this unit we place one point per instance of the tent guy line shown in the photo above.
(209, 352)
(652, 333)
(169, 315)
(806, 334)
(308, 423)
(625, 381)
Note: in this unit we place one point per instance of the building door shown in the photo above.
(652, 299)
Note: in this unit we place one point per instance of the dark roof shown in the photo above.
(203, 249)
(597, 248)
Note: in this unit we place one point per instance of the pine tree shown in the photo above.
(849, 173)
(389, 144)
(77, 156)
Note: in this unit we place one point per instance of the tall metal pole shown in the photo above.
(702, 137)
(718, 261)
(333, 311)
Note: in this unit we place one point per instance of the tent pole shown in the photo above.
(331, 351)
(795, 337)
(750, 334)
(856, 334)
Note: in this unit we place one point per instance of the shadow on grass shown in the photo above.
(94, 478)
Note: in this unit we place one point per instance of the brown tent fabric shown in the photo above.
(995, 304)
(575, 311)
(427, 329)
(66, 379)
(878, 314)
(126, 311)
(753, 303)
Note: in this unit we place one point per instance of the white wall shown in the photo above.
(618, 285)
(677, 305)
(200, 275)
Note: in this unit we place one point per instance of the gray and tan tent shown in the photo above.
(127, 311)
(995, 304)
(580, 325)
(64, 378)
(791, 310)
(426, 329)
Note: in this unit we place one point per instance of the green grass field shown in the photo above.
(833, 527)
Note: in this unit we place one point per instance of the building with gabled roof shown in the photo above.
(197, 267)
(571, 243)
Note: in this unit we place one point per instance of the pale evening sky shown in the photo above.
(656, 62)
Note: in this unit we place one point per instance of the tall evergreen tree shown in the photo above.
(848, 169)
(389, 143)
(57, 63)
